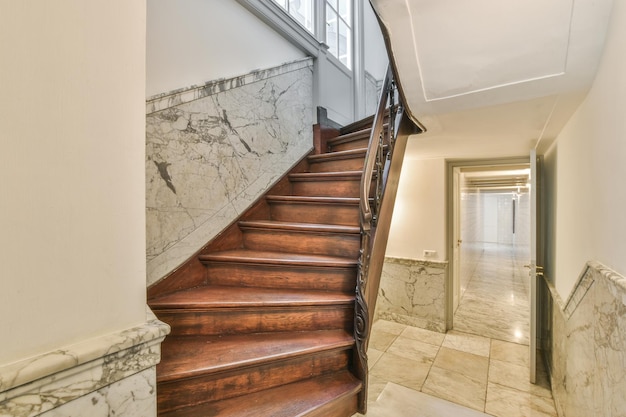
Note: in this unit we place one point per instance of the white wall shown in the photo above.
(587, 171)
(195, 41)
(419, 214)
(72, 215)
(375, 59)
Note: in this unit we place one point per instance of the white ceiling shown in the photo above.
(493, 78)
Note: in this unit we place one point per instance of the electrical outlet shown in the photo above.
(429, 253)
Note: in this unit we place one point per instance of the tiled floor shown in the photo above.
(483, 363)
(487, 375)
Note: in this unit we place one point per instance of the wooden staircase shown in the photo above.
(262, 317)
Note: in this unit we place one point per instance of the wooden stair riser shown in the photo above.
(337, 165)
(351, 141)
(257, 320)
(326, 187)
(335, 244)
(264, 276)
(219, 386)
(349, 187)
(340, 214)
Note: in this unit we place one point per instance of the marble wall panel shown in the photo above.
(412, 292)
(213, 150)
(114, 374)
(588, 364)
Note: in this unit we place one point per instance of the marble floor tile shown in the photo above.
(399, 401)
(423, 335)
(388, 327)
(467, 364)
(469, 343)
(518, 377)
(380, 340)
(375, 387)
(510, 402)
(514, 353)
(373, 355)
(413, 349)
(402, 371)
(456, 387)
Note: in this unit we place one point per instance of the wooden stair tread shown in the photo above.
(277, 258)
(301, 227)
(326, 176)
(291, 400)
(216, 296)
(308, 199)
(189, 356)
(348, 154)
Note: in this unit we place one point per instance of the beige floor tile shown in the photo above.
(413, 349)
(373, 355)
(402, 371)
(468, 364)
(398, 401)
(388, 327)
(423, 335)
(515, 376)
(380, 340)
(509, 352)
(469, 343)
(375, 387)
(455, 387)
(510, 402)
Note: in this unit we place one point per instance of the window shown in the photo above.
(300, 10)
(338, 23)
(339, 30)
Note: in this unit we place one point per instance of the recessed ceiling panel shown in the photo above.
(468, 46)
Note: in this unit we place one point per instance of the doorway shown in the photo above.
(489, 236)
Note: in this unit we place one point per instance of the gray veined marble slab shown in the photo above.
(210, 157)
(589, 345)
(412, 292)
(56, 379)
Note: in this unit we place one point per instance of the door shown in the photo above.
(536, 259)
(456, 241)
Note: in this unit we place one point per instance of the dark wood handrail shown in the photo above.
(383, 162)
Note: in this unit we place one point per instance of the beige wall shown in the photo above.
(586, 172)
(72, 204)
(195, 41)
(419, 217)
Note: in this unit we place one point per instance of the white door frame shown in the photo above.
(453, 209)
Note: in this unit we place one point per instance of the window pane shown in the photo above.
(282, 3)
(331, 32)
(345, 43)
(345, 11)
(332, 3)
(302, 11)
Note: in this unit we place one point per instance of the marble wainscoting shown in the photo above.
(412, 292)
(111, 375)
(212, 150)
(588, 348)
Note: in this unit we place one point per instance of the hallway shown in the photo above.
(482, 364)
(495, 301)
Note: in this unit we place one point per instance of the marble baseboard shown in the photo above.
(588, 363)
(214, 150)
(412, 292)
(116, 371)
